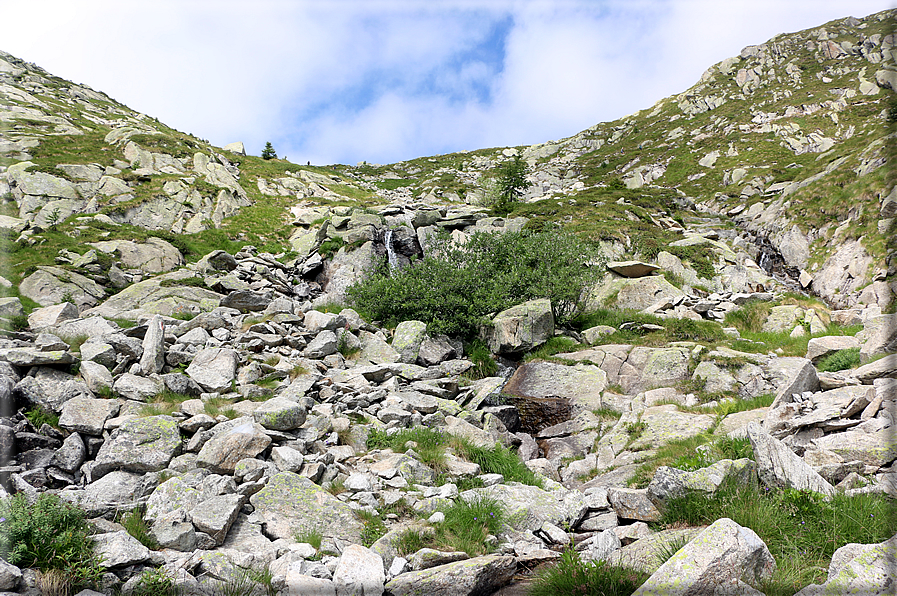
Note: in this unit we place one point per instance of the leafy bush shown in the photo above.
(50, 535)
(155, 582)
(840, 360)
(455, 286)
(572, 576)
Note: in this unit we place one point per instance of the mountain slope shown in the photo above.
(786, 141)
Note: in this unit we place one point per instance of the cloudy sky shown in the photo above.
(341, 81)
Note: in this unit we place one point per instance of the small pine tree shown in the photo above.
(268, 151)
(511, 184)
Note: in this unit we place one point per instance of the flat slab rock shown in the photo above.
(479, 575)
(632, 268)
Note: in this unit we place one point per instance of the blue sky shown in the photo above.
(341, 81)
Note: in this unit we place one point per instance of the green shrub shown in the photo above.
(49, 535)
(840, 360)
(455, 287)
(572, 576)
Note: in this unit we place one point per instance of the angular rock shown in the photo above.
(866, 569)
(632, 268)
(71, 455)
(10, 576)
(581, 384)
(173, 494)
(359, 571)
(139, 445)
(153, 359)
(324, 344)
(87, 415)
(407, 340)
(245, 439)
(118, 549)
(530, 506)
(137, 388)
(50, 388)
(725, 558)
(115, 491)
(214, 369)
(777, 465)
(669, 483)
(246, 300)
(280, 413)
(473, 577)
(216, 515)
(520, 328)
(291, 504)
(820, 347)
(96, 376)
(50, 316)
(26, 357)
(633, 503)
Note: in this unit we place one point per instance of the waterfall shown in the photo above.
(390, 252)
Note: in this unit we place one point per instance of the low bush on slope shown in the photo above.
(455, 286)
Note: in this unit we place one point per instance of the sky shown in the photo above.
(345, 81)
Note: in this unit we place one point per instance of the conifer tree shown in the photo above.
(268, 151)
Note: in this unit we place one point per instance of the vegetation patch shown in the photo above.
(571, 575)
(840, 360)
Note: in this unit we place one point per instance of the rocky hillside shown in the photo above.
(178, 358)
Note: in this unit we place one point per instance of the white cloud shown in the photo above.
(344, 80)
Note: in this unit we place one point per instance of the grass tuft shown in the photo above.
(573, 576)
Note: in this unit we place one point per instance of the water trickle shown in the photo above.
(390, 251)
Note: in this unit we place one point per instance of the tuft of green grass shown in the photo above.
(596, 578)
(373, 529)
(411, 540)
(38, 416)
(497, 460)
(155, 582)
(312, 537)
(801, 529)
(468, 523)
(840, 360)
(429, 444)
(483, 363)
(164, 404)
(136, 526)
(554, 345)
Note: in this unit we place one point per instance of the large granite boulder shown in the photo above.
(520, 328)
(581, 384)
(473, 577)
(866, 569)
(139, 445)
(238, 439)
(52, 285)
(214, 369)
(777, 465)
(407, 339)
(87, 415)
(50, 388)
(292, 505)
(723, 559)
(152, 256)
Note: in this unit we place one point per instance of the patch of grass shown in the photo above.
(137, 527)
(49, 535)
(483, 363)
(220, 405)
(196, 282)
(840, 360)
(555, 345)
(75, 341)
(373, 529)
(573, 576)
(800, 528)
(312, 537)
(38, 416)
(164, 404)
(666, 455)
(468, 523)
(155, 582)
(666, 549)
(411, 540)
(750, 317)
(497, 460)
(429, 444)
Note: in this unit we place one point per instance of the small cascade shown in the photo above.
(390, 251)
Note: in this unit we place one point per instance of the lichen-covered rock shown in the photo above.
(777, 465)
(137, 388)
(50, 388)
(25, 357)
(528, 507)
(139, 445)
(723, 559)
(241, 439)
(669, 483)
(633, 503)
(215, 515)
(407, 340)
(866, 569)
(581, 384)
(280, 413)
(52, 285)
(291, 504)
(214, 369)
(473, 577)
(520, 328)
